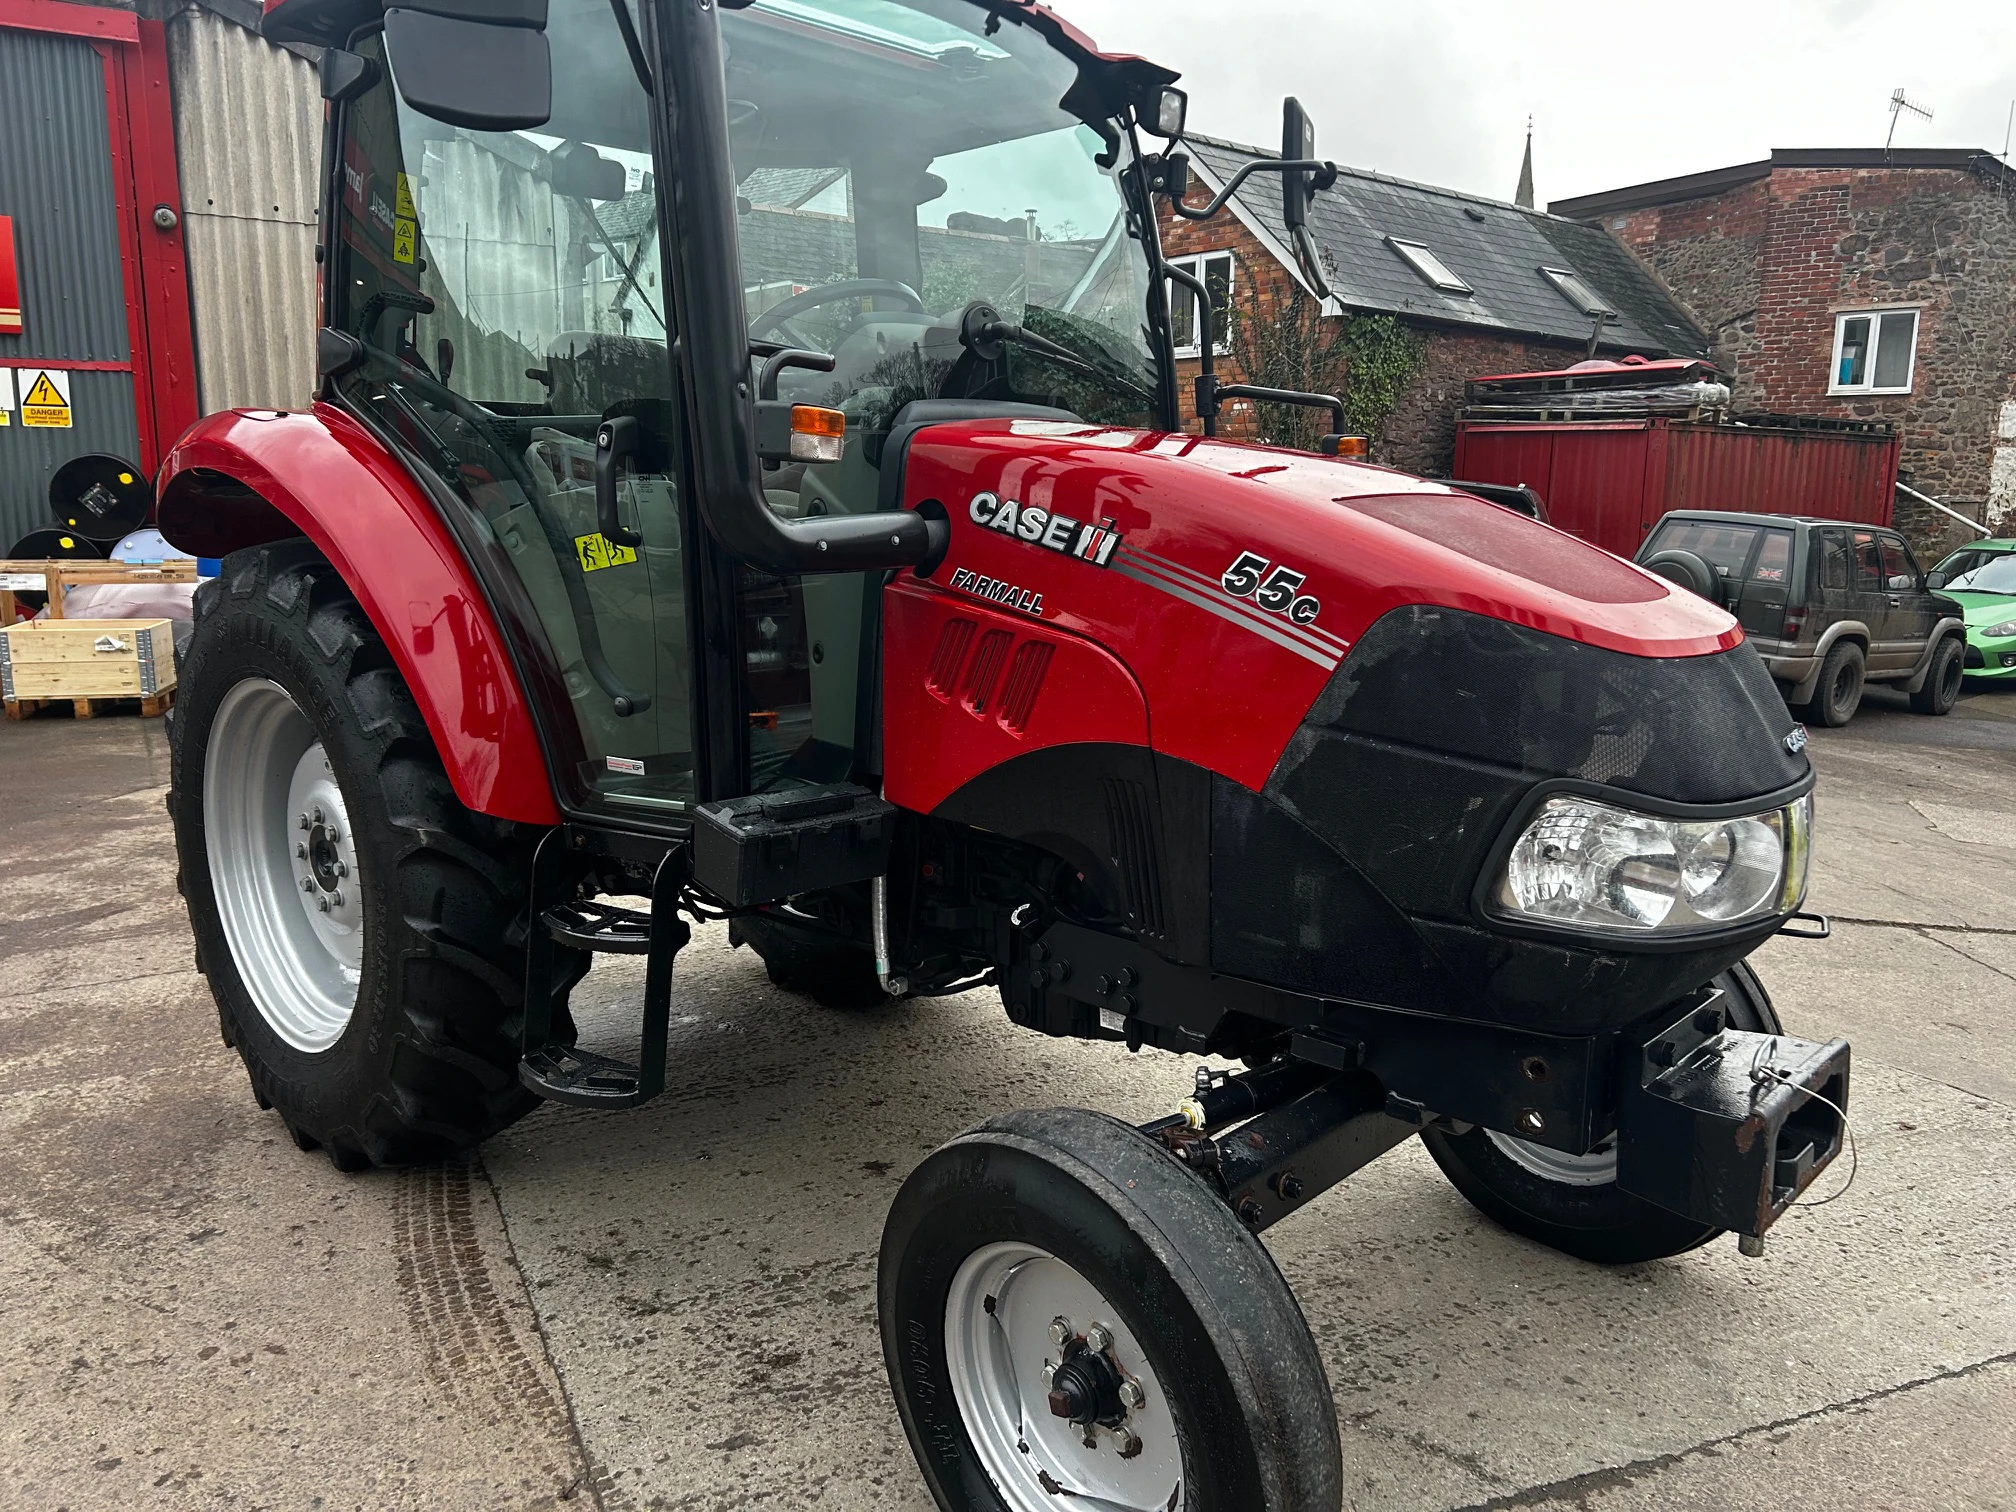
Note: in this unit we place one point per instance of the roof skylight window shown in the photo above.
(1576, 292)
(1428, 265)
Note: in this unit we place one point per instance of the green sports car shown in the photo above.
(1981, 577)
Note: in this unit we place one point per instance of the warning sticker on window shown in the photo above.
(597, 551)
(45, 398)
(628, 765)
(404, 234)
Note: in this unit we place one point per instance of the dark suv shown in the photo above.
(1829, 604)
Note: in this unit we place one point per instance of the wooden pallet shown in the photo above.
(91, 708)
(70, 572)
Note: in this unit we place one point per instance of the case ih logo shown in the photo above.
(1029, 522)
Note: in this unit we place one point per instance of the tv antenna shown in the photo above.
(1899, 103)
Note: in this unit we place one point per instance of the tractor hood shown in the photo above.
(1235, 580)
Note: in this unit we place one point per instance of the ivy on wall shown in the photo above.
(1366, 360)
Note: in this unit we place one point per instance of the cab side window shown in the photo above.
(1774, 558)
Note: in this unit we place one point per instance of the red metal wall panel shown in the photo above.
(1610, 481)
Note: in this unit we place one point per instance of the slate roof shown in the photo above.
(1496, 248)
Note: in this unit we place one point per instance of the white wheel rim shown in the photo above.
(1597, 1168)
(996, 1357)
(288, 892)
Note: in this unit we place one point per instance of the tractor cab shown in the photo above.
(894, 165)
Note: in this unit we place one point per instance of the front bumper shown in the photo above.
(1725, 1126)
(1990, 658)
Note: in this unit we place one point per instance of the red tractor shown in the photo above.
(747, 473)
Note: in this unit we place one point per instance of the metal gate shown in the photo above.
(103, 296)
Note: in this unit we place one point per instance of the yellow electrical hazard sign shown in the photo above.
(46, 400)
(404, 234)
(597, 551)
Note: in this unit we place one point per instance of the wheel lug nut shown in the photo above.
(322, 905)
(1049, 1373)
(300, 851)
(1098, 1338)
(336, 898)
(342, 868)
(304, 820)
(318, 813)
(335, 834)
(1131, 1394)
(308, 884)
(1130, 1445)
(1060, 1330)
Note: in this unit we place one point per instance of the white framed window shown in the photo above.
(1436, 272)
(1214, 270)
(1875, 352)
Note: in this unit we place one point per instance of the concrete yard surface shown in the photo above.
(675, 1307)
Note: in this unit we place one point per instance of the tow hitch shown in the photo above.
(1728, 1126)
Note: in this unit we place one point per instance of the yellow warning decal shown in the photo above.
(404, 234)
(402, 199)
(47, 402)
(597, 551)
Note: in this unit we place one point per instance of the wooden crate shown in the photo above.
(79, 661)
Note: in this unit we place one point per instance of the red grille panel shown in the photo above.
(984, 670)
(942, 677)
(1025, 681)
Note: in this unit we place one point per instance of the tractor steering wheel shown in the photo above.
(778, 317)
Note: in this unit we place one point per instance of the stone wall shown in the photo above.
(1767, 267)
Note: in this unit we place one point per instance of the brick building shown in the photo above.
(1480, 286)
(1859, 284)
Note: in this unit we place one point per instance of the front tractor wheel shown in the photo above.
(1072, 1319)
(1571, 1202)
(362, 931)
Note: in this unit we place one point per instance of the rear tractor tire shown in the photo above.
(363, 933)
(1571, 1202)
(832, 971)
(1070, 1318)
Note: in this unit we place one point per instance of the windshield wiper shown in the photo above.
(983, 332)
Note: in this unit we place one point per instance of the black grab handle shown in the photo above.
(616, 440)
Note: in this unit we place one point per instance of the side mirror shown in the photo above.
(1298, 143)
(1934, 581)
(482, 64)
(580, 172)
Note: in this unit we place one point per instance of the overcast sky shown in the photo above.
(1439, 90)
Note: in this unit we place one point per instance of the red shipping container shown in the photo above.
(1609, 481)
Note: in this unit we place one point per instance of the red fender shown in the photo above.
(322, 475)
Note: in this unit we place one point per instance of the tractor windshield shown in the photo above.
(900, 159)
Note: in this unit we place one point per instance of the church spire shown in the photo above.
(1523, 196)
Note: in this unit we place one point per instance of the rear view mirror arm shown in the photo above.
(1324, 174)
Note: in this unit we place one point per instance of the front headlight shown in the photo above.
(1996, 632)
(1584, 864)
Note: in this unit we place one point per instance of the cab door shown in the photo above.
(505, 286)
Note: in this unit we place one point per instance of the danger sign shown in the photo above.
(45, 398)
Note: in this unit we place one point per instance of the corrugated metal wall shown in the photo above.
(248, 139)
(56, 182)
(1610, 481)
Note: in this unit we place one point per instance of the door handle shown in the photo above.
(1896, 602)
(616, 440)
